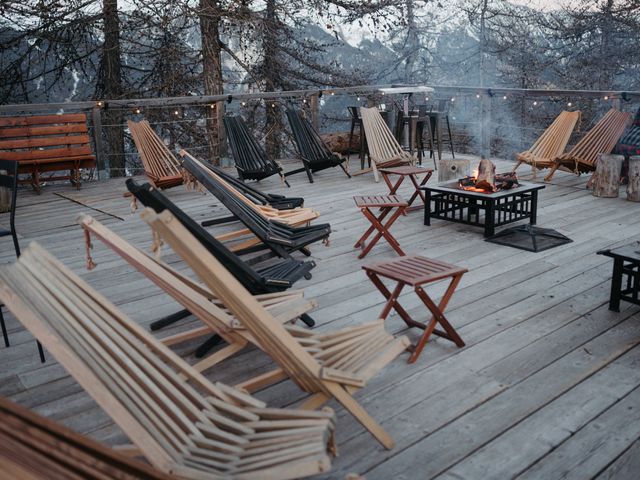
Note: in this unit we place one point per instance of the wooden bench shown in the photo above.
(47, 143)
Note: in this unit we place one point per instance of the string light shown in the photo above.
(304, 100)
(504, 97)
(176, 112)
(273, 105)
(137, 110)
(477, 95)
(426, 99)
(453, 99)
(99, 103)
(333, 93)
(244, 104)
(606, 97)
(568, 104)
(212, 106)
(358, 99)
(535, 103)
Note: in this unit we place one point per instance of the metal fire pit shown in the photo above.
(488, 210)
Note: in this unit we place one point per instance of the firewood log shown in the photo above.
(486, 175)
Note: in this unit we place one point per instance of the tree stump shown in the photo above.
(339, 142)
(5, 196)
(606, 179)
(453, 169)
(633, 187)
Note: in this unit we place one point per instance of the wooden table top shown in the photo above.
(414, 269)
(365, 201)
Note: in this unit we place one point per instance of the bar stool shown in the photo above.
(434, 116)
(411, 124)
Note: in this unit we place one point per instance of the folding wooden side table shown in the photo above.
(416, 271)
(386, 204)
(411, 172)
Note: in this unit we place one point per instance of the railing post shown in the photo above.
(222, 134)
(313, 102)
(96, 119)
(485, 125)
(616, 103)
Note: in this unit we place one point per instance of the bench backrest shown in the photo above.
(41, 137)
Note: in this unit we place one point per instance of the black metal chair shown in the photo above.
(313, 152)
(281, 239)
(356, 121)
(10, 181)
(250, 158)
(276, 277)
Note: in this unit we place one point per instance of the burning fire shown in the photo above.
(489, 182)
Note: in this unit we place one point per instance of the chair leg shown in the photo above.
(360, 414)
(41, 352)
(345, 170)
(308, 170)
(4, 329)
(353, 126)
(450, 138)
(308, 321)
(16, 245)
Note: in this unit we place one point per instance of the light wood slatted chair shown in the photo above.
(179, 421)
(285, 306)
(600, 139)
(384, 149)
(160, 165)
(36, 448)
(550, 144)
(329, 365)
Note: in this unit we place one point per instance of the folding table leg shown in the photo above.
(438, 317)
(393, 188)
(370, 230)
(391, 302)
(383, 231)
(418, 192)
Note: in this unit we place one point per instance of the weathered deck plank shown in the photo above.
(541, 344)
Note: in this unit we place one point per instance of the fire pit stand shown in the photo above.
(488, 210)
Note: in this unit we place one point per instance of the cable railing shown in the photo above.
(492, 121)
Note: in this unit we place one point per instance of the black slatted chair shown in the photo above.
(313, 152)
(279, 238)
(250, 158)
(279, 202)
(10, 181)
(277, 277)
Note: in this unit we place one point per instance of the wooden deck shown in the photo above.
(547, 386)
